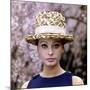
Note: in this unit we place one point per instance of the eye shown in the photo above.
(44, 46)
(56, 45)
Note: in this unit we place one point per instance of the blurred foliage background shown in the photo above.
(24, 58)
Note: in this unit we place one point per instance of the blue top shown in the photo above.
(38, 81)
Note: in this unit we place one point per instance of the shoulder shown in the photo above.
(25, 84)
(28, 82)
(77, 80)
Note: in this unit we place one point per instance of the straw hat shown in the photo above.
(49, 25)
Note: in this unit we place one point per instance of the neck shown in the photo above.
(49, 71)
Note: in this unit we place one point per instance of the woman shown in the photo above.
(50, 37)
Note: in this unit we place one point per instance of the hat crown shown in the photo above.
(50, 24)
(50, 18)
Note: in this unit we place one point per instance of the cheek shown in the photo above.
(59, 52)
(41, 53)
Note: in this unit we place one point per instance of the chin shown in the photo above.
(51, 64)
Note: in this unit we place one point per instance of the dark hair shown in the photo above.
(36, 42)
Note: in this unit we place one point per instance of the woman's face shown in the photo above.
(50, 51)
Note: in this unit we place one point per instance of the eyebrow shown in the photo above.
(43, 42)
(56, 41)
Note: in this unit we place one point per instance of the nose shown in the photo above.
(50, 51)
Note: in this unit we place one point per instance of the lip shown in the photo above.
(50, 59)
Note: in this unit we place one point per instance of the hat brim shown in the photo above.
(33, 39)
